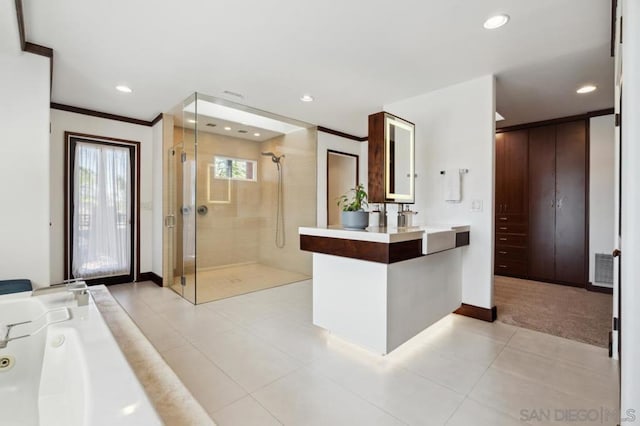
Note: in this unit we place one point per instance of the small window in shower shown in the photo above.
(235, 168)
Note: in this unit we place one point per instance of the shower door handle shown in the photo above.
(170, 221)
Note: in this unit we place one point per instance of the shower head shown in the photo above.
(274, 158)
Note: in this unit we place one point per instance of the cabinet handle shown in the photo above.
(502, 266)
(503, 228)
(504, 218)
(502, 252)
(616, 253)
(503, 239)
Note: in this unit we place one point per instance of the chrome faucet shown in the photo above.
(76, 286)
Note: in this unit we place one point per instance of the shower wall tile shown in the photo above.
(299, 189)
(243, 230)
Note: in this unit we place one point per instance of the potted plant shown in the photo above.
(353, 214)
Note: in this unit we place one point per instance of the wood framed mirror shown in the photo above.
(391, 159)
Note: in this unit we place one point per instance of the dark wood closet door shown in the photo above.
(515, 173)
(571, 168)
(542, 212)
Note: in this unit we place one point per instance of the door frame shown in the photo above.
(135, 197)
(345, 154)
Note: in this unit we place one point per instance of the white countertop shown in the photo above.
(373, 234)
(381, 234)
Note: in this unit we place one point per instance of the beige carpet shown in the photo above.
(234, 280)
(568, 312)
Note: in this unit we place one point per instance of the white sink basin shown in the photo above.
(437, 239)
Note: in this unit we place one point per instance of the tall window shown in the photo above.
(101, 210)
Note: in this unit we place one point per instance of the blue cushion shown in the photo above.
(14, 286)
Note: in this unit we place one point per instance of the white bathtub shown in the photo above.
(71, 373)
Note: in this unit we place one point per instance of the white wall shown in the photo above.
(62, 121)
(630, 247)
(455, 128)
(601, 189)
(156, 198)
(24, 167)
(327, 141)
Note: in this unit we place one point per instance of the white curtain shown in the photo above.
(101, 212)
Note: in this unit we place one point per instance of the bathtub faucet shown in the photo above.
(76, 286)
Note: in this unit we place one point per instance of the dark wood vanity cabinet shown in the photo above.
(547, 238)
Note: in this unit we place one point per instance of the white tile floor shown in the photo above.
(257, 359)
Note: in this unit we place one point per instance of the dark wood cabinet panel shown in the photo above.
(511, 203)
(500, 175)
(570, 226)
(517, 240)
(511, 228)
(511, 267)
(542, 191)
(511, 253)
(376, 158)
(511, 173)
(516, 165)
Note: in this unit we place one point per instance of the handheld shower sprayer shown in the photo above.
(280, 237)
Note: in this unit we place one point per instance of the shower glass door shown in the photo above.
(181, 200)
(188, 158)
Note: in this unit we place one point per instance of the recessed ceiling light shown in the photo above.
(586, 89)
(306, 98)
(227, 128)
(496, 21)
(124, 89)
(256, 134)
(191, 120)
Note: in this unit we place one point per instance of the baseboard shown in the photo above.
(599, 289)
(150, 276)
(484, 314)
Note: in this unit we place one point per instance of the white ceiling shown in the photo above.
(352, 56)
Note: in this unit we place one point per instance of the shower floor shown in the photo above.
(220, 283)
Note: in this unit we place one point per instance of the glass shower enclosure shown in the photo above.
(240, 182)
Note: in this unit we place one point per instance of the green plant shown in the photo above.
(357, 202)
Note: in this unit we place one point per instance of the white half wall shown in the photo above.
(601, 189)
(64, 121)
(630, 198)
(327, 141)
(455, 128)
(24, 167)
